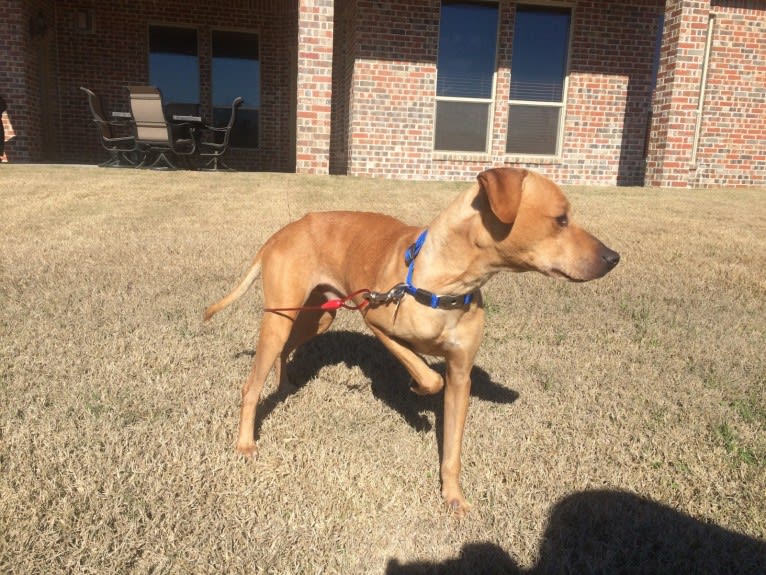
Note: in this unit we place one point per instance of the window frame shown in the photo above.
(490, 101)
(561, 106)
(257, 33)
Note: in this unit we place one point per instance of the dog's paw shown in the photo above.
(458, 508)
(249, 451)
(434, 385)
(456, 504)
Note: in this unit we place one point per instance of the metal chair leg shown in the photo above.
(112, 162)
(161, 157)
(216, 161)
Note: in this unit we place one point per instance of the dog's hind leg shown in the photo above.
(306, 326)
(275, 331)
(281, 333)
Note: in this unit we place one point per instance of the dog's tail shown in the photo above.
(237, 292)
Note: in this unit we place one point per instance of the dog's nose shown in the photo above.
(610, 257)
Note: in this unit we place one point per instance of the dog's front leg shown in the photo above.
(456, 398)
(426, 380)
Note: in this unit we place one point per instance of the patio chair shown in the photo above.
(118, 146)
(154, 133)
(214, 141)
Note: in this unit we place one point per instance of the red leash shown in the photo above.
(329, 305)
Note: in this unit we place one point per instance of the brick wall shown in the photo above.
(732, 127)
(114, 54)
(609, 123)
(394, 83)
(732, 144)
(391, 114)
(345, 46)
(348, 86)
(12, 46)
(20, 75)
(315, 45)
(677, 92)
(610, 92)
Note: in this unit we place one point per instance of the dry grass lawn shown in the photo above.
(615, 426)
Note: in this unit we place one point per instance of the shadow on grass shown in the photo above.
(613, 532)
(389, 380)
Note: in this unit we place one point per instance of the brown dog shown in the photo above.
(511, 219)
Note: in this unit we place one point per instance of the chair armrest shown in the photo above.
(119, 139)
(186, 118)
(120, 123)
(182, 127)
(182, 132)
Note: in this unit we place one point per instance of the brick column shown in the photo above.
(314, 86)
(677, 93)
(14, 80)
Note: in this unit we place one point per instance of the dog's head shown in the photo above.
(531, 221)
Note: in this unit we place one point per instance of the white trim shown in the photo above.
(467, 100)
(565, 88)
(703, 87)
(539, 103)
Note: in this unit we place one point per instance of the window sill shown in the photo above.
(531, 160)
(486, 157)
(460, 156)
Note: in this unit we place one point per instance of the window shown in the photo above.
(466, 73)
(237, 72)
(538, 79)
(173, 64)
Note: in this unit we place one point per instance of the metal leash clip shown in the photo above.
(394, 295)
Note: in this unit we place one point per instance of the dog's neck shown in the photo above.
(457, 257)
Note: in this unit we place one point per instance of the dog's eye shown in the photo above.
(563, 221)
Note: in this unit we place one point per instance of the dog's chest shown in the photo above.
(427, 330)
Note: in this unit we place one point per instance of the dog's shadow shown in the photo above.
(389, 380)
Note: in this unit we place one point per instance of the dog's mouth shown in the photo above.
(562, 275)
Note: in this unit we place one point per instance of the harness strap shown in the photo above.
(412, 252)
(424, 296)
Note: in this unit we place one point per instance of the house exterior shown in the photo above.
(639, 92)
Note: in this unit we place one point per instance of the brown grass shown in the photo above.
(615, 426)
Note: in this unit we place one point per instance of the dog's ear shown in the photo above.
(503, 189)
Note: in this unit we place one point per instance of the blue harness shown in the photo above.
(424, 296)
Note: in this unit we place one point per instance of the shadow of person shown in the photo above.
(474, 558)
(614, 532)
(389, 380)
